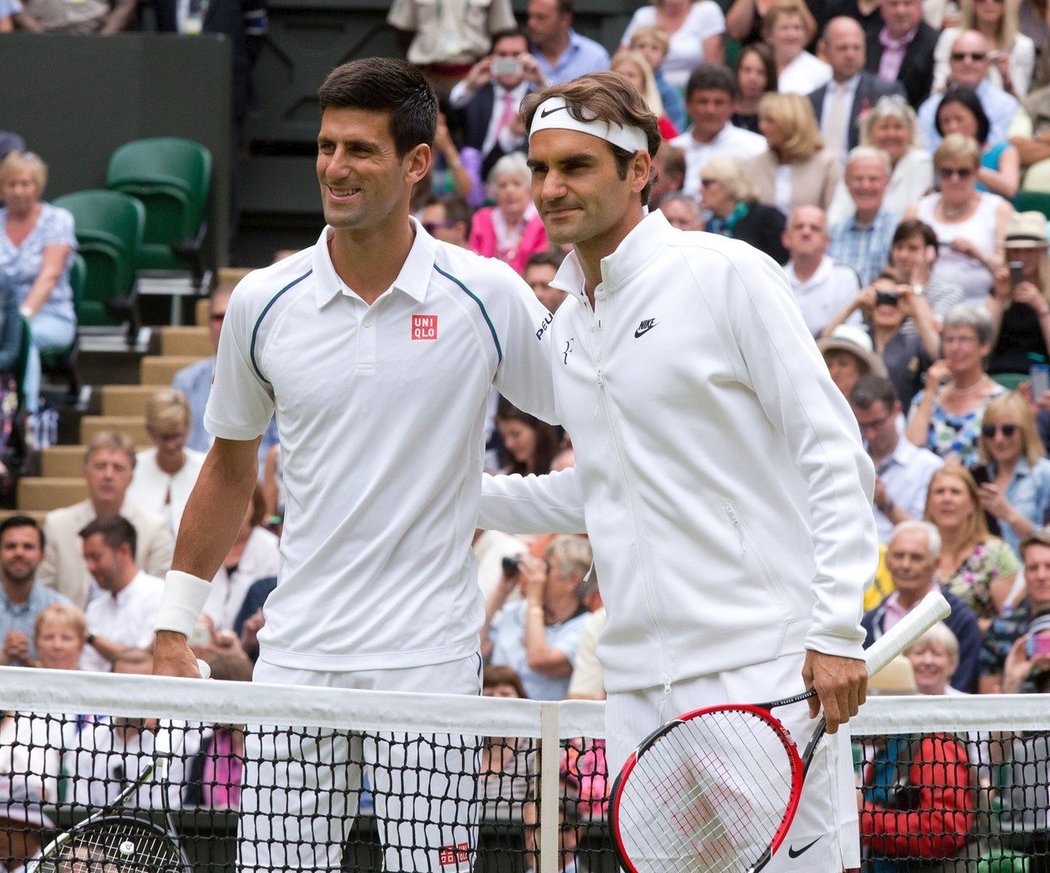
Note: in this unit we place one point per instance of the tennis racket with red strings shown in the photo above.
(715, 790)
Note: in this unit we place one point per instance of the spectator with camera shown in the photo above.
(485, 104)
(1020, 301)
(538, 635)
(1019, 624)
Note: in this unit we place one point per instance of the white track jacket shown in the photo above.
(719, 471)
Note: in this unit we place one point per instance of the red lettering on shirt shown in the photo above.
(457, 854)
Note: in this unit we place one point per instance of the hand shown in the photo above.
(1017, 667)
(1002, 289)
(480, 75)
(1001, 60)
(880, 492)
(865, 299)
(965, 247)
(1031, 296)
(530, 69)
(993, 500)
(16, 647)
(172, 656)
(250, 630)
(841, 685)
(442, 138)
(937, 374)
(534, 574)
(906, 300)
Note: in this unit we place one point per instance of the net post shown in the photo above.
(550, 787)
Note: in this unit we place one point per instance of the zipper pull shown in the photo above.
(667, 684)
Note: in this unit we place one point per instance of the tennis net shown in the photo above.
(948, 783)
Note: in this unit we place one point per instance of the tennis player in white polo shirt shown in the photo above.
(377, 348)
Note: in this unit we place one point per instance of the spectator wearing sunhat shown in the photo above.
(22, 825)
(1020, 310)
(848, 352)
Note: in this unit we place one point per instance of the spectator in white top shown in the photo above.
(709, 98)
(122, 616)
(822, 287)
(903, 470)
(538, 635)
(784, 28)
(109, 465)
(696, 31)
(165, 475)
(254, 555)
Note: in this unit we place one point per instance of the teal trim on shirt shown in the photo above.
(262, 315)
(481, 306)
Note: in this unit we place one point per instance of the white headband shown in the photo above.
(553, 113)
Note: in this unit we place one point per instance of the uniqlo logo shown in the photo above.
(457, 854)
(424, 327)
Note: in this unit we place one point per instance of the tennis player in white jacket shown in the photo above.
(720, 473)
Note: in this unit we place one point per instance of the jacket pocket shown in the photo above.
(752, 555)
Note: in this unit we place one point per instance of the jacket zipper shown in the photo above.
(768, 576)
(642, 563)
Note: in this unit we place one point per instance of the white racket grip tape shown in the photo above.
(167, 743)
(931, 609)
(182, 602)
(204, 669)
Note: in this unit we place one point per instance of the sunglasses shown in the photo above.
(1008, 430)
(705, 182)
(959, 172)
(973, 56)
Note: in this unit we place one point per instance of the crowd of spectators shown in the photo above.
(873, 148)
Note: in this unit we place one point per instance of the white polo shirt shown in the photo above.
(730, 142)
(826, 293)
(381, 412)
(126, 618)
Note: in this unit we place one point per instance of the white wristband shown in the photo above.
(184, 598)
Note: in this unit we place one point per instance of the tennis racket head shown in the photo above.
(714, 791)
(114, 844)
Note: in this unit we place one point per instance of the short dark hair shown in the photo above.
(1039, 538)
(518, 32)
(711, 77)
(869, 390)
(914, 227)
(607, 96)
(456, 208)
(386, 85)
(21, 521)
(966, 97)
(546, 258)
(115, 531)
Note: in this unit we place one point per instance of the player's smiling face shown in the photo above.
(361, 177)
(577, 189)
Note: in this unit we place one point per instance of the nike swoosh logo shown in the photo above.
(643, 330)
(547, 112)
(794, 853)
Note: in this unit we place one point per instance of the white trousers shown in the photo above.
(301, 790)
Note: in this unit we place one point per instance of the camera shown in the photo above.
(1016, 274)
(981, 474)
(507, 67)
(886, 298)
(510, 565)
(1038, 644)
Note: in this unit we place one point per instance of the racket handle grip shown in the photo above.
(204, 669)
(930, 610)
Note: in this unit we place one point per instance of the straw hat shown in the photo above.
(897, 677)
(1026, 230)
(855, 340)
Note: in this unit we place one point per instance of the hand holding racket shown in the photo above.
(716, 790)
(113, 841)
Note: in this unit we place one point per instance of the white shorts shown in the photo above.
(301, 789)
(824, 836)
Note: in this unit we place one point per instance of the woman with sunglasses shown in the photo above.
(961, 112)
(1013, 55)
(973, 564)
(970, 224)
(1017, 490)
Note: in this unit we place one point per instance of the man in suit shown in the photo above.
(485, 104)
(841, 104)
(108, 467)
(902, 51)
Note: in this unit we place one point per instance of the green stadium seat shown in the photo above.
(1032, 201)
(1002, 861)
(171, 177)
(1010, 381)
(109, 228)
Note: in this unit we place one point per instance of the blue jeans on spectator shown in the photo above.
(49, 333)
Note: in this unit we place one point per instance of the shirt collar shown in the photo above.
(413, 279)
(891, 43)
(634, 252)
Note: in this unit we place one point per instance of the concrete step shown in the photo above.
(127, 399)
(44, 494)
(185, 341)
(62, 461)
(160, 369)
(133, 425)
